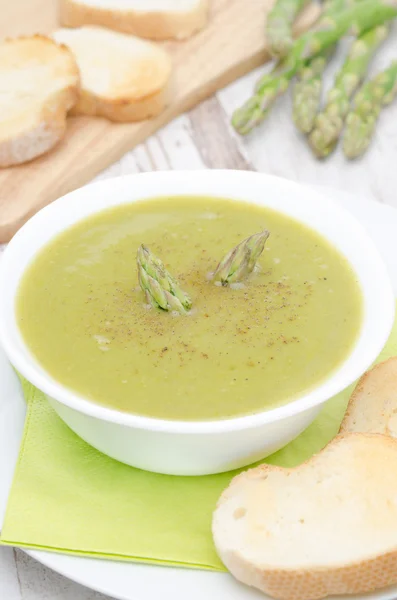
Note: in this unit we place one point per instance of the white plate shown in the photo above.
(130, 581)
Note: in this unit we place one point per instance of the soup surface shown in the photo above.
(83, 315)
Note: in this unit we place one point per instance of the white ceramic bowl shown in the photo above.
(198, 448)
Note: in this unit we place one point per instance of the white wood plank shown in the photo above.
(127, 164)
(9, 584)
(215, 139)
(39, 583)
(171, 148)
(178, 146)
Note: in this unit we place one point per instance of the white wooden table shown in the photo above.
(203, 138)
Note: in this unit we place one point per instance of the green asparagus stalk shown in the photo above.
(271, 94)
(330, 9)
(241, 260)
(355, 19)
(329, 123)
(369, 101)
(161, 289)
(308, 91)
(279, 25)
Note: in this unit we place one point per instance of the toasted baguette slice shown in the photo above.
(153, 19)
(326, 527)
(373, 405)
(123, 78)
(39, 83)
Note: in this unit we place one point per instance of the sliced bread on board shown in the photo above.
(154, 19)
(123, 78)
(373, 405)
(39, 83)
(328, 526)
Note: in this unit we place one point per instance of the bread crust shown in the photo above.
(314, 583)
(152, 25)
(44, 114)
(140, 90)
(373, 404)
(360, 578)
(122, 110)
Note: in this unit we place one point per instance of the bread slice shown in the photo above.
(373, 405)
(328, 526)
(123, 78)
(153, 19)
(39, 83)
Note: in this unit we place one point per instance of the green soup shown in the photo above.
(240, 351)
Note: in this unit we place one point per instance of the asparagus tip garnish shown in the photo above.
(160, 288)
(241, 260)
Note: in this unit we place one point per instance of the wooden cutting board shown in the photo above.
(232, 44)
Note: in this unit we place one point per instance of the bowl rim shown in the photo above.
(30, 369)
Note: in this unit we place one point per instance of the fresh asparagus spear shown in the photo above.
(356, 19)
(308, 90)
(270, 95)
(279, 25)
(241, 260)
(329, 123)
(330, 9)
(161, 289)
(369, 101)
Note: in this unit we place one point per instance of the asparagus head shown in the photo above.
(369, 101)
(241, 260)
(308, 90)
(358, 17)
(276, 83)
(161, 289)
(279, 25)
(329, 123)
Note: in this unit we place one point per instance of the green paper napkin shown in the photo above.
(67, 497)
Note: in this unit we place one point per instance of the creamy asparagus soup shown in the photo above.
(238, 346)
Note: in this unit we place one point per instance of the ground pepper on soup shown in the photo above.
(239, 351)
